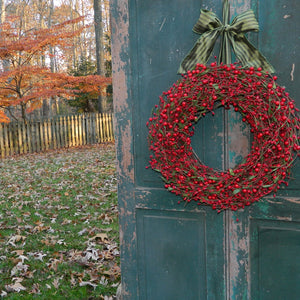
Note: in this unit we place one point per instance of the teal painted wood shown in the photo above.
(161, 223)
(163, 31)
(209, 140)
(280, 27)
(172, 262)
(264, 243)
(124, 145)
(274, 257)
(255, 270)
(149, 40)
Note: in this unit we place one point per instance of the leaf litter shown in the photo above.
(59, 225)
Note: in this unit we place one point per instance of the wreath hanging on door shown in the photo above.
(249, 90)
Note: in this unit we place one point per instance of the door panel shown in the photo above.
(172, 252)
(275, 264)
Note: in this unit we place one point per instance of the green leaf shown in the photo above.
(267, 185)
(231, 172)
(236, 191)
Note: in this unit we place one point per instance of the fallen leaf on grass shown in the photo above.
(66, 221)
(101, 236)
(35, 289)
(85, 283)
(18, 252)
(40, 228)
(94, 275)
(15, 287)
(56, 282)
(61, 242)
(113, 249)
(23, 258)
(92, 254)
(73, 280)
(3, 294)
(37, 255)
(54, 264)
(52, 240)
(103, 281)
(20, 267)
(106, 219)
(81, 232)
(113, 272)
(15, 239)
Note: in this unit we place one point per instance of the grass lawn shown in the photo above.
(59, 225)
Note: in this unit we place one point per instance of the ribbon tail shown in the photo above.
(200, 52)
(248, 54)
(225, 50)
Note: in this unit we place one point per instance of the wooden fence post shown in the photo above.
(2, 141)
(65, 131)
(101, 128)
(111, 131)
(80, 129)
(24, 137)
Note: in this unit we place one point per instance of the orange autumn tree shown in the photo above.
(24, 81)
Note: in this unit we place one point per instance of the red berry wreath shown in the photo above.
(264, 105)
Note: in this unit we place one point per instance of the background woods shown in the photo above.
(51, 61)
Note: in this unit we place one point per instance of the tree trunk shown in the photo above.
(73, 14)
(99, 47)
(2, 11)
(23, 112)
(47, 103)
(5, 63)
(52, 63)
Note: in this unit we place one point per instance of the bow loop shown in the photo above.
(245, 22)
(206, 22)
(210, 27)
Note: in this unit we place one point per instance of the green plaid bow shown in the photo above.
(210, 27)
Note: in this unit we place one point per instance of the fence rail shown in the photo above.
(55, 133)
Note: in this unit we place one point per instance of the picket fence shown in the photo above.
(55, 133)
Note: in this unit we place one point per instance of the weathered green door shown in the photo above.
(174, 252)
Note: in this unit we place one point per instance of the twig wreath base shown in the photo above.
(263, 104)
